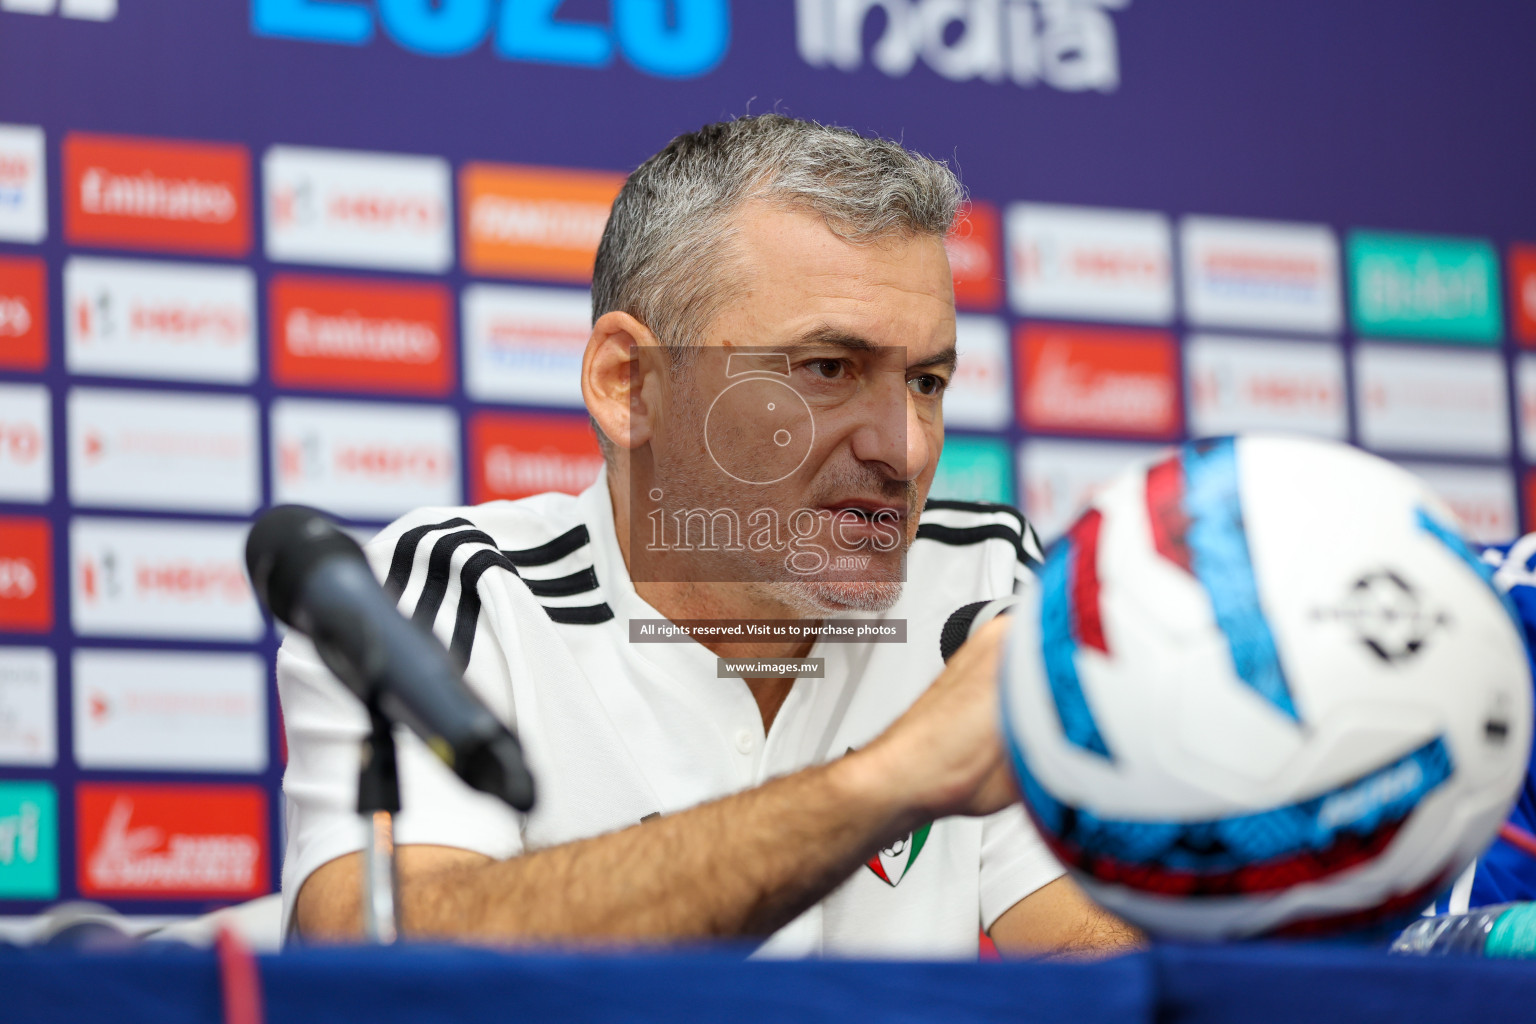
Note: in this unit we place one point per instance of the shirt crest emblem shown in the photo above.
(891, 864)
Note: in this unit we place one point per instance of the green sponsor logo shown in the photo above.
(974, 469)
(29, 841)
(1422, 287)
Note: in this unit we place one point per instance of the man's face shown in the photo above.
(810, 420)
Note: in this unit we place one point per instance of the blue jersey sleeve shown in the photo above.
(1505, 873)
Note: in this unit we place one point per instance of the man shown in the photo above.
(773, 330)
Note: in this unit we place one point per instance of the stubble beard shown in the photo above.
(771, 579)
(693, 473)
(817, 599)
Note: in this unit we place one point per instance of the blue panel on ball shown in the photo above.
(1245, 853)
(1059, 648)
(1221, 560)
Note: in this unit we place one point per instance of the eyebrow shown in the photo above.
(946, 359)
(836, 337)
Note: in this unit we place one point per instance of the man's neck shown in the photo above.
(704, 600)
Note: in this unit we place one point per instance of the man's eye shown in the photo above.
(830, 369)
(928, 384)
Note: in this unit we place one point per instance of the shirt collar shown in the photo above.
(685, 659)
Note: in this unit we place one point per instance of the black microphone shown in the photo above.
(314, 577)
(967, 619)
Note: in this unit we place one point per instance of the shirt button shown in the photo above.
(745, 741)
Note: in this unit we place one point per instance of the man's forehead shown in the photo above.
(796, 276)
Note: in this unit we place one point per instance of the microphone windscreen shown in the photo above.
(957, 628)
(283, 546)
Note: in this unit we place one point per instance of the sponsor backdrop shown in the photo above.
(337, 252)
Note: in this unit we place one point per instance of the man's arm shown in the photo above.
(744, 865)
(741, 866)
(1059, 920)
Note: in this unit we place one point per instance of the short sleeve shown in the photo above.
(1014, 862)
(325, 724)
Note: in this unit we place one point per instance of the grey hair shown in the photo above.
(669, 235)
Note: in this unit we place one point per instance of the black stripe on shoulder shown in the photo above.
(571, 540)
(970, 506)
(438, 574)
(585, 615)
(980, 507)
(465, 622)
(579, 582)
(1031, 551)
(963, 535)
(405, 554)
(1034, 550)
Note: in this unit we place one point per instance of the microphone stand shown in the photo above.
(378, 801)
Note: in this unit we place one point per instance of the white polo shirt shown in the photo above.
(534, 595)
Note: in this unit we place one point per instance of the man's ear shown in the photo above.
(619, 391)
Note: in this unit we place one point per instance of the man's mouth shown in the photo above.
(859, 510)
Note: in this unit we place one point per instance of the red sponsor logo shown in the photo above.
(1484, 518)
(359, 335)
(177, 579)
(1522, 290)
(163, 444)
(164, 704)
(1098, 380)
(1292, 392)
(23, 313)
(26, 575)
(157, 194)
(21, 443)
(15, 171)
(1283, 392)
(1103, 265)
(295, 205)
(974, 250)
(1238, 267)
(187, 842)
(181, 323)
(515, 455)
(377, 462)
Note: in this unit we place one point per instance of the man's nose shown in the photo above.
(892, 433)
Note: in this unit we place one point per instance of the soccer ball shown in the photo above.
(1264, 687)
